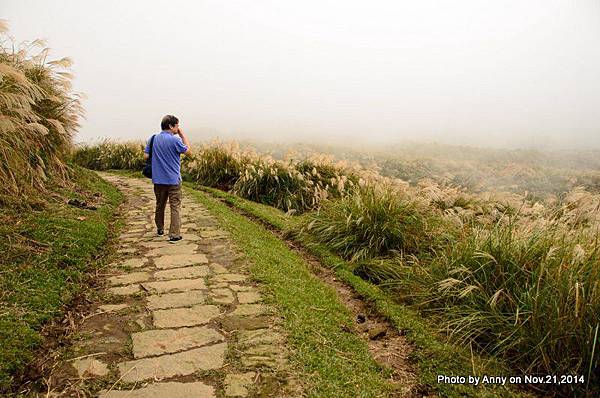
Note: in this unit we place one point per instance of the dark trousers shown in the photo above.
(171, 193)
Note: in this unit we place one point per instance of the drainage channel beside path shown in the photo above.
(178, 320)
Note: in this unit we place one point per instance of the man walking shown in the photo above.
(167, 147)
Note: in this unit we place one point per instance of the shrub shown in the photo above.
(278, 184)
(374, 221)
(111, 155)
(529, 294)
(336, 180)
(216, 165)
(38, 117)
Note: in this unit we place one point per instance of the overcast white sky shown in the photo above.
(493, 73)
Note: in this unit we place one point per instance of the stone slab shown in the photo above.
(229, 278)
(248, 297)
(174, 285)
(164, 390)
(192, 316)
(126, 279)
(249, 309)
(90, 367)
(257, 337)
(179, 260)
(218, 268)
(112, 307)
(173, 249)
(179, 273)
(174, 300)
(133, 263)
(166, 341)
(222, 296)
(155, 243)
(191, 237)
(125, 290)
(180, 364)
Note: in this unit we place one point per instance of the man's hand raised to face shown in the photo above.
(185, 140)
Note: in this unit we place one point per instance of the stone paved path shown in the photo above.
(179, 320)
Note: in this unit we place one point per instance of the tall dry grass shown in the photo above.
(39, 114)
(216, 165)
(527, 292)
(110, 155)
(375, 220)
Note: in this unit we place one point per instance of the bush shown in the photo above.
(277, 184)
(111, 155)
(336, 180)
(38, 117)
(217, 165)
(526, 293)
(374, 221)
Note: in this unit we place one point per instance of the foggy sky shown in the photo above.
(487, 73)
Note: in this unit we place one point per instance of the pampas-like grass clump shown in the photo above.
(39, 114)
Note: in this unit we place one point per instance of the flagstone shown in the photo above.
(133, 262)
(165, 341)
(171, 365)
(174, 300)
(259, 337)
(179, 260)
(151, 244)
(186, 272)
(188, 316)
(174, 285)
(218, 268)
(162, 390)
(126, 279)
(249, 309)
(112, 307)
(90, 367)
(173, 249)
(222, 296)
(125, 290)
(248, 297)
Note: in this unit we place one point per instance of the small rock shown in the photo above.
(90, 367)
(112, 307)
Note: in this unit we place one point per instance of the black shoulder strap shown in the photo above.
(151, 145)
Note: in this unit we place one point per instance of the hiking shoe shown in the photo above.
(175, 239)
(160, 232)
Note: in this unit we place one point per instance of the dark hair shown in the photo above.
(168, 121)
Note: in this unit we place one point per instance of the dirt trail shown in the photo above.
(180, 320)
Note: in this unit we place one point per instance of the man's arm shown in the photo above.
(186, 142)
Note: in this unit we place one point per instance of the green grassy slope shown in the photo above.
(45, 255)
